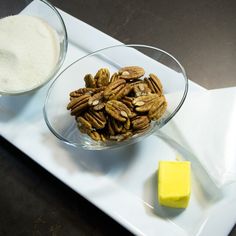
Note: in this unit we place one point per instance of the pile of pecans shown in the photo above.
(117, 107)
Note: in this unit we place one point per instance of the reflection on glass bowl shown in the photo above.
(153, 60)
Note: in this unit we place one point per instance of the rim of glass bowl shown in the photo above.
(62, 56)
(119, 144)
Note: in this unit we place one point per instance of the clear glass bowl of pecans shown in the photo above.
(115, 96)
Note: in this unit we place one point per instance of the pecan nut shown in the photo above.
(97, 101)
(127, 124)
(128, 101)
(96, 118)
(158, 108)
(122, 92)
(96, 136)
(77, 105)
(111, 129)
(117, 126)
(81, 91)
(140, 122)
(154, 84)
(121, 137)
(118, 110)
(144, 129)
(114, 77)
(141, 89)
(131, 72)
(102, 77)
(144, 103)
(89, 81)
(113, 88)
(82, 122)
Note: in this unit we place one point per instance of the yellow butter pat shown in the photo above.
(174, 183)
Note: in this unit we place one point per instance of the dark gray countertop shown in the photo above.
(201, 34)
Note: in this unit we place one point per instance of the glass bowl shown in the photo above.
(48, 13)
(153, 60)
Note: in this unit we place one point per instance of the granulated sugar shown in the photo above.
(29, 52)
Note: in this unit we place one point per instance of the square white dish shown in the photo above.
(122, 186)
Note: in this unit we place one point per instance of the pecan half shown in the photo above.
(97, 90)
(102, 77)
(95, 135)
(158, 108)
(103, 137)
(82, 122)
(89, 81)
(118, 110)
(97, 101)
(131, 72)
(96, 118)
(77, 105)
(141, 89)
(121, 137)
(75, 95)
(144, 128)
(114, 77)
(154, 84)
(117, 126)
(122, 92)
(140, 122)
(128, 101)
(111, 129)
(144, 103)
(113, 88)
(81, 91)
(82, 129)
(127, 124)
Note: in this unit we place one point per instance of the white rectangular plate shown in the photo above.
(121, 183)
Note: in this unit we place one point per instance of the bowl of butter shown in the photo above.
(33, 46)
